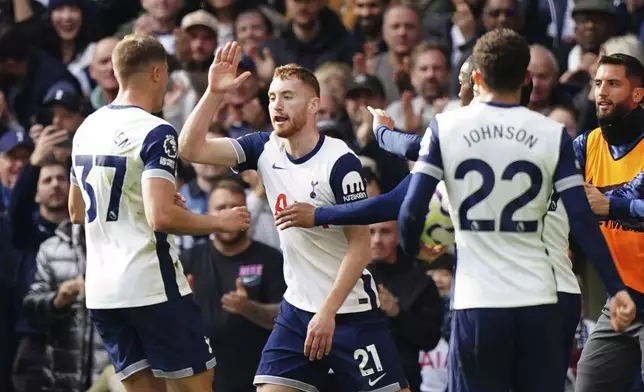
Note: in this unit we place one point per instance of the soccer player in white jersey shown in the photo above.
(124, 187)
(501, 162)
(329, 317)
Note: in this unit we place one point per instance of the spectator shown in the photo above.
(159, 18)
(102, 72)
(401, 32)
(367, 28)
(200, 28)
(66, 33)
(334, 78)
(238, 284)
(366, 90)
(305, 43)
(408, 298)
(15, 149)
(252, 28)
(55, 302)
(567, 115)
(197, 191)
(430, 74)
(262, 225)
(26, 76)
(546, 91)
(246, 108)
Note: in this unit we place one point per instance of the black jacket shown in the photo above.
(334, 43)
(418, 325)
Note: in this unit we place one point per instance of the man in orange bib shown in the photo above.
(612, 160)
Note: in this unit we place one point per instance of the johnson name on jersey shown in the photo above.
(330, 174)
(128, 264)
(500, 166)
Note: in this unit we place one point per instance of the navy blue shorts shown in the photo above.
(569, 314)
(168, 337)
(503, 349)
(363, 356)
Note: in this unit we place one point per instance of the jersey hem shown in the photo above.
(495, 304)
(147, 301)
(342, 310)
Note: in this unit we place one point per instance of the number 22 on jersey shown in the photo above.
(88, 163)
(507, 224)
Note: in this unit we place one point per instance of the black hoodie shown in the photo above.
(334, 43)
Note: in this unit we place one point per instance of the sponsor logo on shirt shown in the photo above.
(353, 187)
(251, 275)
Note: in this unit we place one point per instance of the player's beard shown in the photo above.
(620, 110)
(294, 124)
(622, 126)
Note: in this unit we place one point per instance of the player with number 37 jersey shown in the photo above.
(110, 164)
(124, 162)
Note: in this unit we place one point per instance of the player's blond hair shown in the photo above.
(134, 53)
(290, 71)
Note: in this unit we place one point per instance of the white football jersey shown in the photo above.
(128, 264)
(500, 164)
(330, 174)
(555, 234)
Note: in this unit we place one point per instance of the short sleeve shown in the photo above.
(347, 180)
(567, 173)
(430, 160)
(248, 149)
(159, 153)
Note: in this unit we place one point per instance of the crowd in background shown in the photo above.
(56, 69)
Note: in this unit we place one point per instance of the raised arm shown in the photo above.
(222, 77)
(163, 214)
(425, 175)
(405, 145)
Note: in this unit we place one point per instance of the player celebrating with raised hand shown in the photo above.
(500, 163)
(124, 191)
(329, 317)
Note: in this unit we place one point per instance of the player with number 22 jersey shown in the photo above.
(500, 162)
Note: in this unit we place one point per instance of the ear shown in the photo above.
(478, 78)
(314, 105)
(156, 73)
(638, 95)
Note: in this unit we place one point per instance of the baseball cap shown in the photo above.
(599, 6)
(368, 83)
(14, 138)
(65, 95)
(200, 18)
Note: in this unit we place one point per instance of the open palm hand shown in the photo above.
(222, 76)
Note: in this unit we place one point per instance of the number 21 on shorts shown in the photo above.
(363, 355)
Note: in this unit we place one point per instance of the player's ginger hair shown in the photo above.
(307, 77)
(134, 53)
